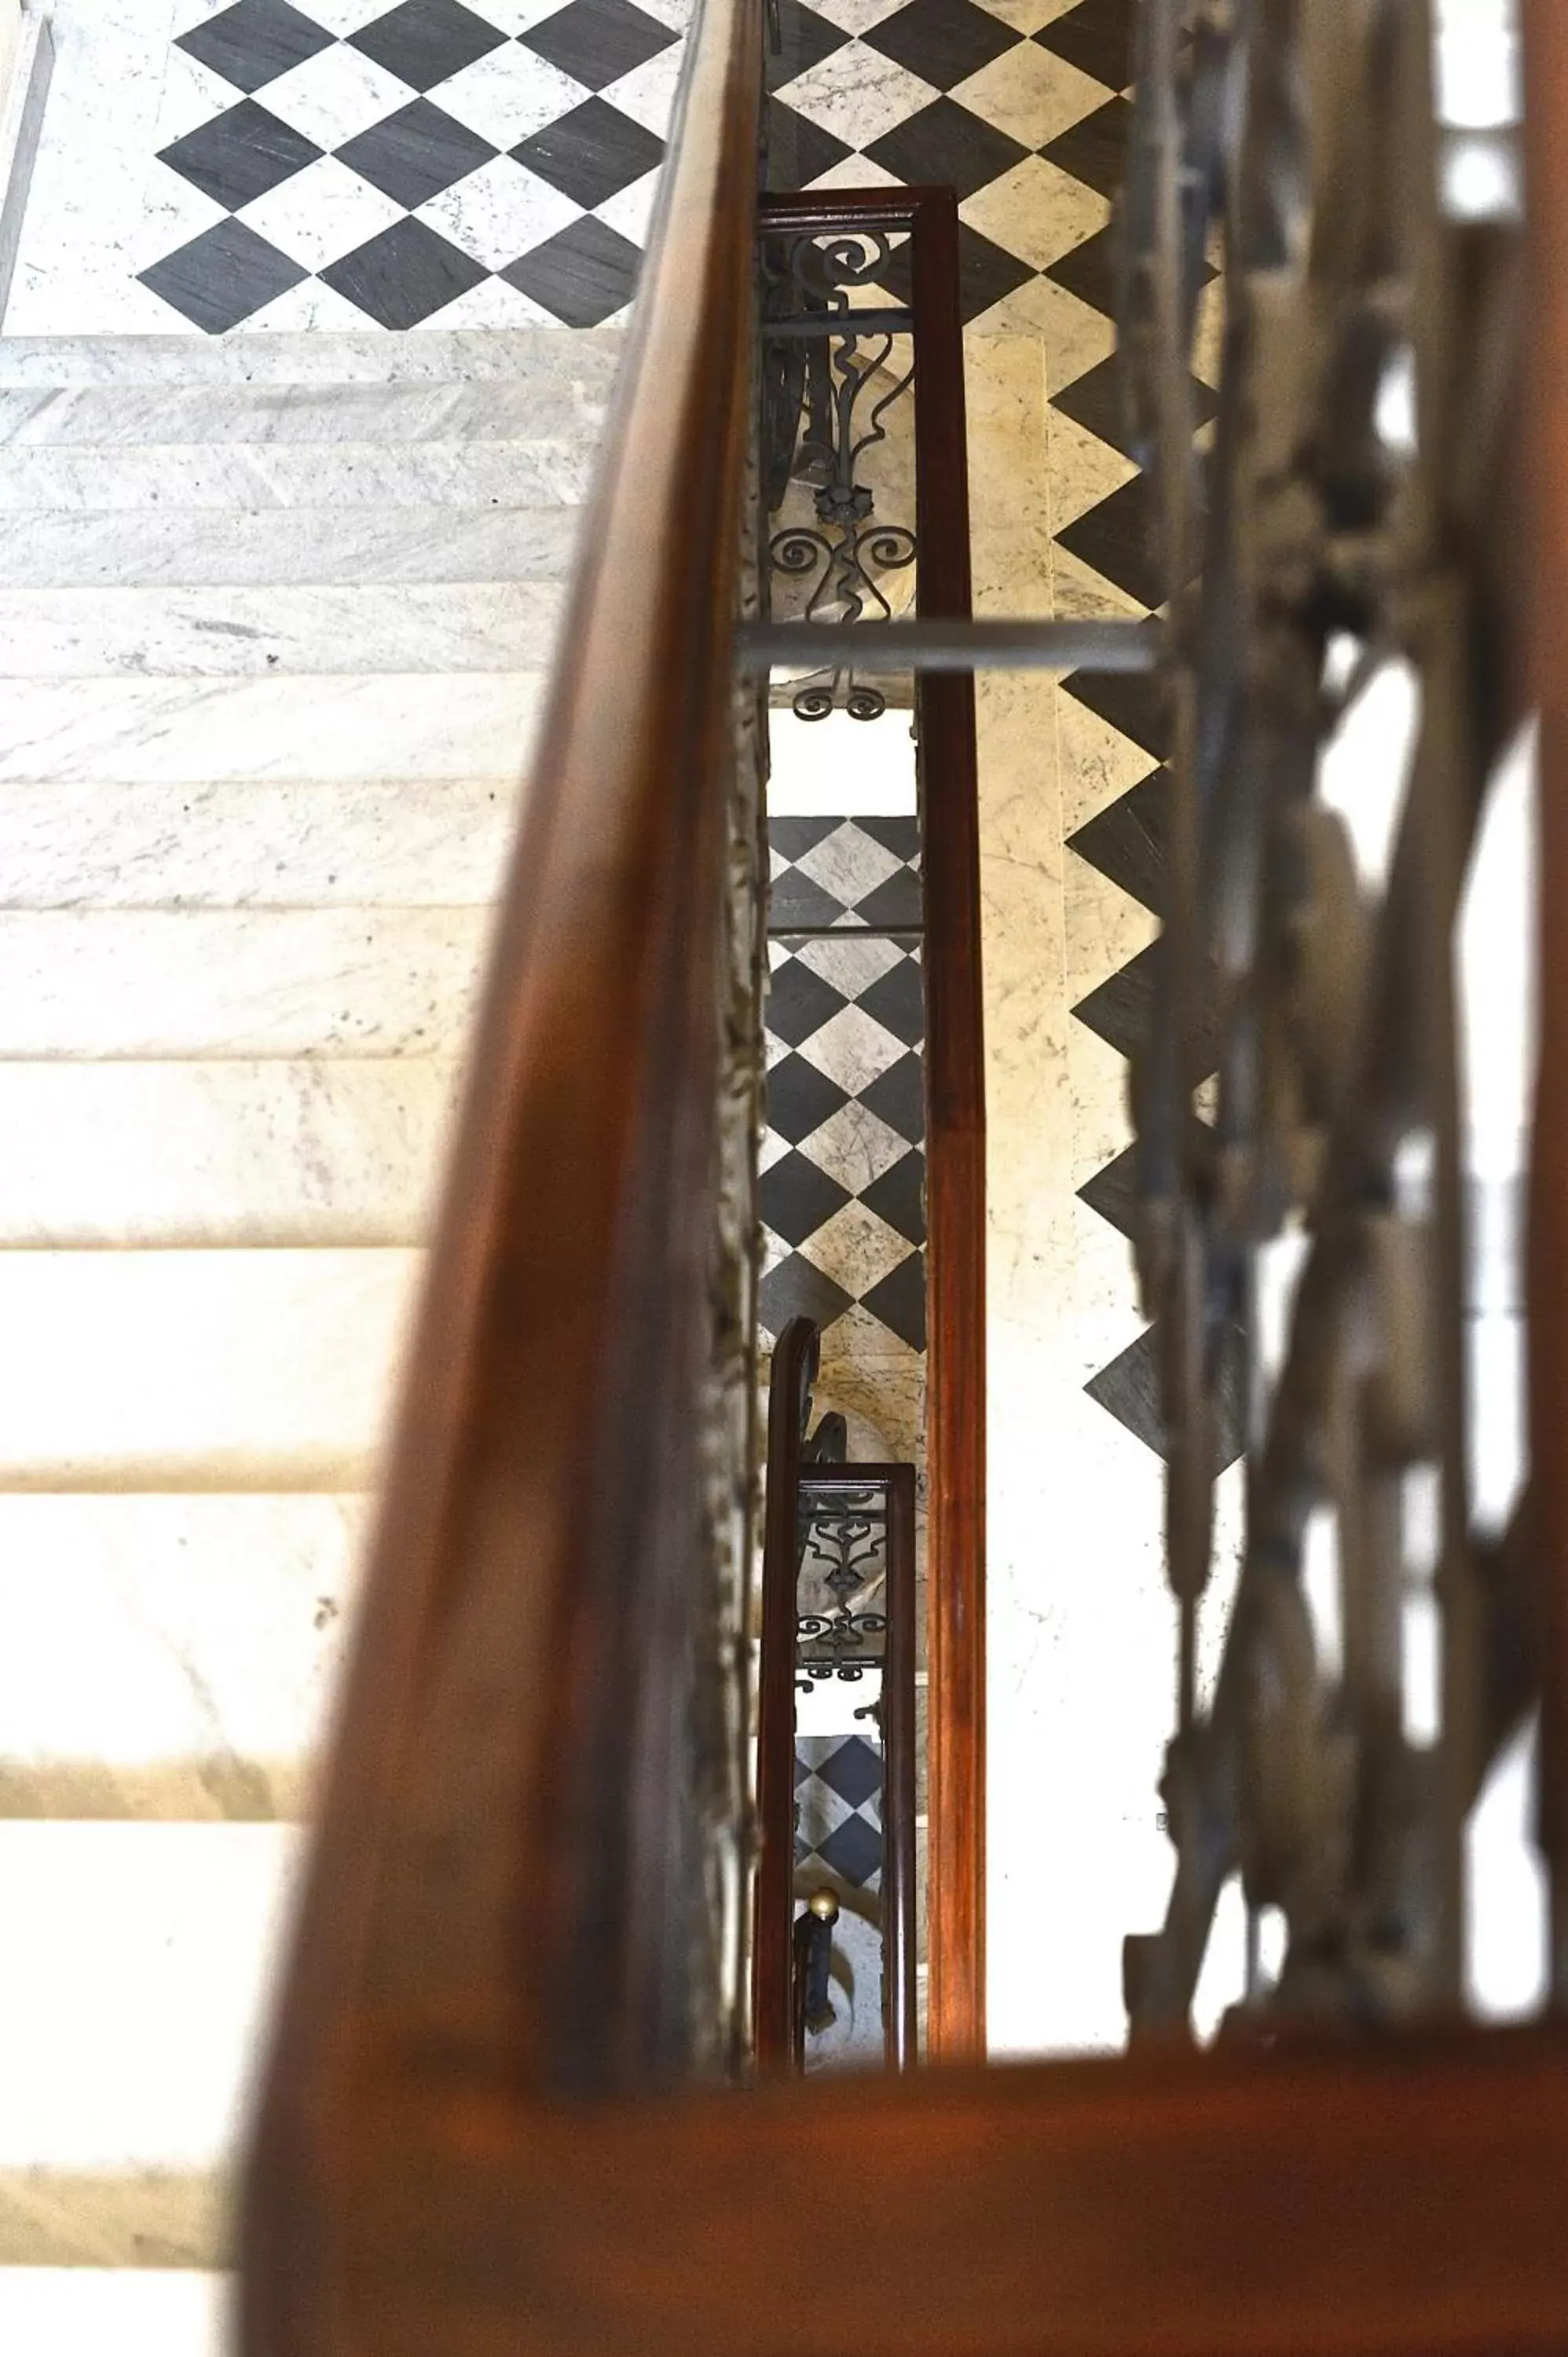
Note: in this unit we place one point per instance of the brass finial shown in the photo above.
(824, 1905)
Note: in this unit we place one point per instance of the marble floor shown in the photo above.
(208, 165)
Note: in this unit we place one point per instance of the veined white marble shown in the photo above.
(584, 360)
(324, 1151)
(505, 409)
(169, 1657)
(183, 547)
(289, 475)
(211, 1371)
(272, 982)
(183, 731)
(368, 845)
(455, 627)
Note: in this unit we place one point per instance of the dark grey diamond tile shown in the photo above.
(799, 1002)
(797, 905)
(1094, 149)
(1112, 1192)
(854, 1771)
(597, 41)
(799, 1098)
(900, 1197)
(1118, 537)
(796, 1290)
(591, 153)
(798, 150)
(941, 40)
(425, 41)
(1129, 1389)
(1130, 840)
(803, 1768)
(1097, 37)
(1096, 400)
(404, 274)
(898, 1000)
(239, 155)
(1090, 270)
(415, 154)
(581, 274)
(805, 38)
(255, 42)
(854, 1850)
(1122, 1009)
(222, 276)
(796, 1197)
(1133, 702)
(893, 907)
(901, 1300)
(945, 143)
(898, 1096)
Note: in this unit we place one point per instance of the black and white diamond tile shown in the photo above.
(980, 97)
(838, 1812)
(842, 1191)
(431, 162)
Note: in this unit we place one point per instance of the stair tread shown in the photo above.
(541, 471)
(502, 409)
(222, 1152)
(186, 548)
(208, 1369)
(434, 354)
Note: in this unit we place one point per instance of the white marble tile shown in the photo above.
(507, 94)
(1030, 94)
(851, 963)
(854, 1148)
(494, 306)
(320, 214)
(245, 983)
(221, 1152)
(857, 15)
(630, 210)
(855, 1248)
(336, 94)
(499, 212)
(163, 732)
(95, 633)
(853, 1049)
(857, 94)
(170, 1657)
(256, 845)
(1036, 211)
(648, 92)
(287, 546)
(856, 172)
(309, 307)
(192, 96)
(174, 214)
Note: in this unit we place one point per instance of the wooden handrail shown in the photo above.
(498, 1877)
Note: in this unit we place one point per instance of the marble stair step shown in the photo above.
(587, 356)
(170, 1658)
(407, 843)
(533, 473)
(203, 1370)
(278, 547)
(535, 407)
(137, 1967)
(166, 984)
(223, 1153)
(66, 2311)
(299, 631)
(330, 726)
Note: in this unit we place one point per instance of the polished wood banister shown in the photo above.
(499, 1872)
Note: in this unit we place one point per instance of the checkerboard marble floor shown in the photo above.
(210, 164)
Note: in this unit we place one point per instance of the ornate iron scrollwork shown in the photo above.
(830, 379)
(844, 1550)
